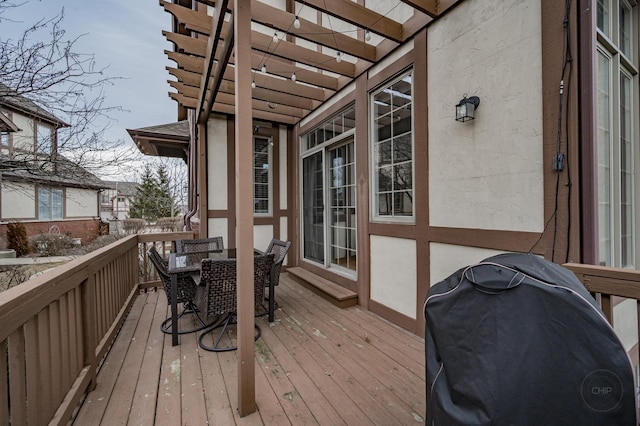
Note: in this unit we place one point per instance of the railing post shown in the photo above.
(89, 338)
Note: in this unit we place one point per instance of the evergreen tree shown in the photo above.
(153, 198)
(164, 199)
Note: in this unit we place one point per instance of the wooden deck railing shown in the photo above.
(56, 328)
(607, 284)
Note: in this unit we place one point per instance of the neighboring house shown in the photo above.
(116, 199)
(358, 158)
(40, 188)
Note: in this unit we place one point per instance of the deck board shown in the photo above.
(316, 364)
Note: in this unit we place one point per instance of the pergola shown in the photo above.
(253, 60)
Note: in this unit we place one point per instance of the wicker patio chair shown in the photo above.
(216, 296)
(200, 244)
(186, 291)
(279, 249)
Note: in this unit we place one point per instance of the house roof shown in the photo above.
(124, 188)
(325, 44)
(60, 172)
(165, 140)
(10, 99)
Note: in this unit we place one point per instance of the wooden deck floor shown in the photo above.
(316, 364)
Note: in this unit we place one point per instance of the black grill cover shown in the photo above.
(518, 340)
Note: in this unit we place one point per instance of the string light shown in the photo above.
(264, 68)
(338, 57)
(293, 76)
(253, 84)
(275, 37)
(367, 35)
(296, 23)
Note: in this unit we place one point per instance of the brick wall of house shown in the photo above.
(87, 229)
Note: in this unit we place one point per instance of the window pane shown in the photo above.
(44, 138)
(393, 149)
(604, 160)
(261, 174)
(626, 174)
(625, 30)
(603, 15)
(56, 203)
(44, 204)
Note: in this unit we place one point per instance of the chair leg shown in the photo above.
(224, 324)
(189, 308)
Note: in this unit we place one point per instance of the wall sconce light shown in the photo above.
(465, 110)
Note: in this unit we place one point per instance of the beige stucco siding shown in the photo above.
(81, 203)
(18, 201)
(447, 259)
(393, 273)
(217, 163)
(24, 139)
(486, 173)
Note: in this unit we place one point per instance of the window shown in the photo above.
(617, 136)
(5, 138)
(105, 199)
(49, 203)
(392, 139)
(44, 138)
(261, 175)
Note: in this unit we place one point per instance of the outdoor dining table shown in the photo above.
(180, 263)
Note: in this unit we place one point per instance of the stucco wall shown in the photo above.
(24, 139)
(447, 259)
(81, 203)
(486, 173)
(219, 227)
(18, 201)
(393, 273)
(217, 163)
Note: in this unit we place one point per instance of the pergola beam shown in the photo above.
(208, 85)
(358, 15)
(430, 7)
(283, 21)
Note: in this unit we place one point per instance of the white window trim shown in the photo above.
(374, 216)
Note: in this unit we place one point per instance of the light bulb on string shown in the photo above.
(253, 84)
(367, 35)
(296, 23)
(264, 68)
(338, 57)
(275, 37)
(293, 76)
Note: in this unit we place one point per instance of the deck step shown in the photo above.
(330, 291)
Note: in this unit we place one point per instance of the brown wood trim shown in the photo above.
(333, 109)
(561, 229)
(362, 194)
(396, 317)
(396, 67)
(588, 131)
(331, 276)
(293, 187)
(218, 214)
(203, 172)
(486, 238)
(398, 230)
(259, 220)
(421, 167)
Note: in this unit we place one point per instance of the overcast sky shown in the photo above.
(125, 35)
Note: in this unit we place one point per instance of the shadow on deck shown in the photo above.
(316, 364)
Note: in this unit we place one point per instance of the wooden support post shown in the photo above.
(244, 208)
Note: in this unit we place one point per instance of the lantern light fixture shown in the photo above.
(465, 110)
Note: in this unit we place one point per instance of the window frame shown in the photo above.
(621, 64)
(49, 192)
(375, 215)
